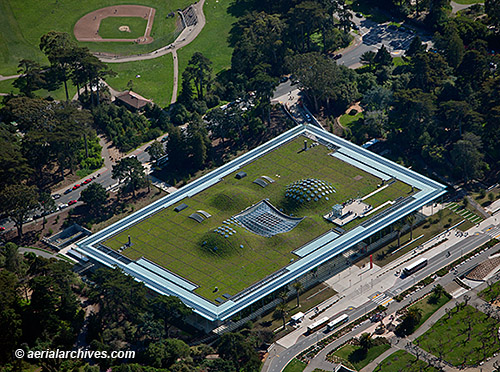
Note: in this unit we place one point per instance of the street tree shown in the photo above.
(383, 57)
(131, 172)
(18, 201)
(299, 287)
(368, 58)
(47, 204)
(416, 46)
(95, 196)
(156, 150)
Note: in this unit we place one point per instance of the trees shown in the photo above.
(281, 312)
(299, 287)
(31, 79)
(325, 83)
(47, 204)
(468, 158)
(156, 150)
(59, 49)
(492, 8)
(168, 309)
(383, 57)
(416, 46)
(368, 58)
(365, 341)
(199, 72)
(235, 347)
(18, 201)
(130, 171)
(95, 196)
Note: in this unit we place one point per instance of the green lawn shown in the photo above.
(491, 293)
(155, 81)
(109, 28)
(346, 120)
(455, 342)
(58, 94)
(194, 251)
(295, 365)
(213, 39)
(403, 361)
(429, 308)
(22, 23)
(353, 354)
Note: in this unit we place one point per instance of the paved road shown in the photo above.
(279, 356)
(455, 7)
(373, 36)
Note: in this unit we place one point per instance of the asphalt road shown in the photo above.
(282, 358)
(104, 178)
(373, 36)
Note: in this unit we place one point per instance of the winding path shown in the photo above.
(185, 37)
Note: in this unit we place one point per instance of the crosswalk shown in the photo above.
(492, 231)
(381, 299)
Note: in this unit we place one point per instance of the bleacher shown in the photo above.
(190, 17)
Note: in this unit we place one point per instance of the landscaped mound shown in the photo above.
(309, 189)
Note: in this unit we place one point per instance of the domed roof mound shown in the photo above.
(309, 189)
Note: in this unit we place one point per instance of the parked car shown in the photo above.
(62, 206)
(2, 228)
(56, 196)
(337, 56)
(76, 186)
(68, 191)
(88, 180)
(71, 202)
(164, 139)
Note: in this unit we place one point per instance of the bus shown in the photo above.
(317, 325)
(337, 322)
(414, 267)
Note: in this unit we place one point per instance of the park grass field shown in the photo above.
(22, 23)
(109, 27)
(155, 81)
(212, 41)
(186, 247)
(354, 357)
(403, 361)
(58, 94)
(449, 338)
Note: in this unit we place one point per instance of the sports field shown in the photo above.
(109, 27)
(22, 23)
(187, 248)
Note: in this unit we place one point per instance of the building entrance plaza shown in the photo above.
(305, 253)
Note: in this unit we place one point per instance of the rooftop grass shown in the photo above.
(187, 247)
(465, 337)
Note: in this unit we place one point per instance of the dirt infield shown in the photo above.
(87, 27)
